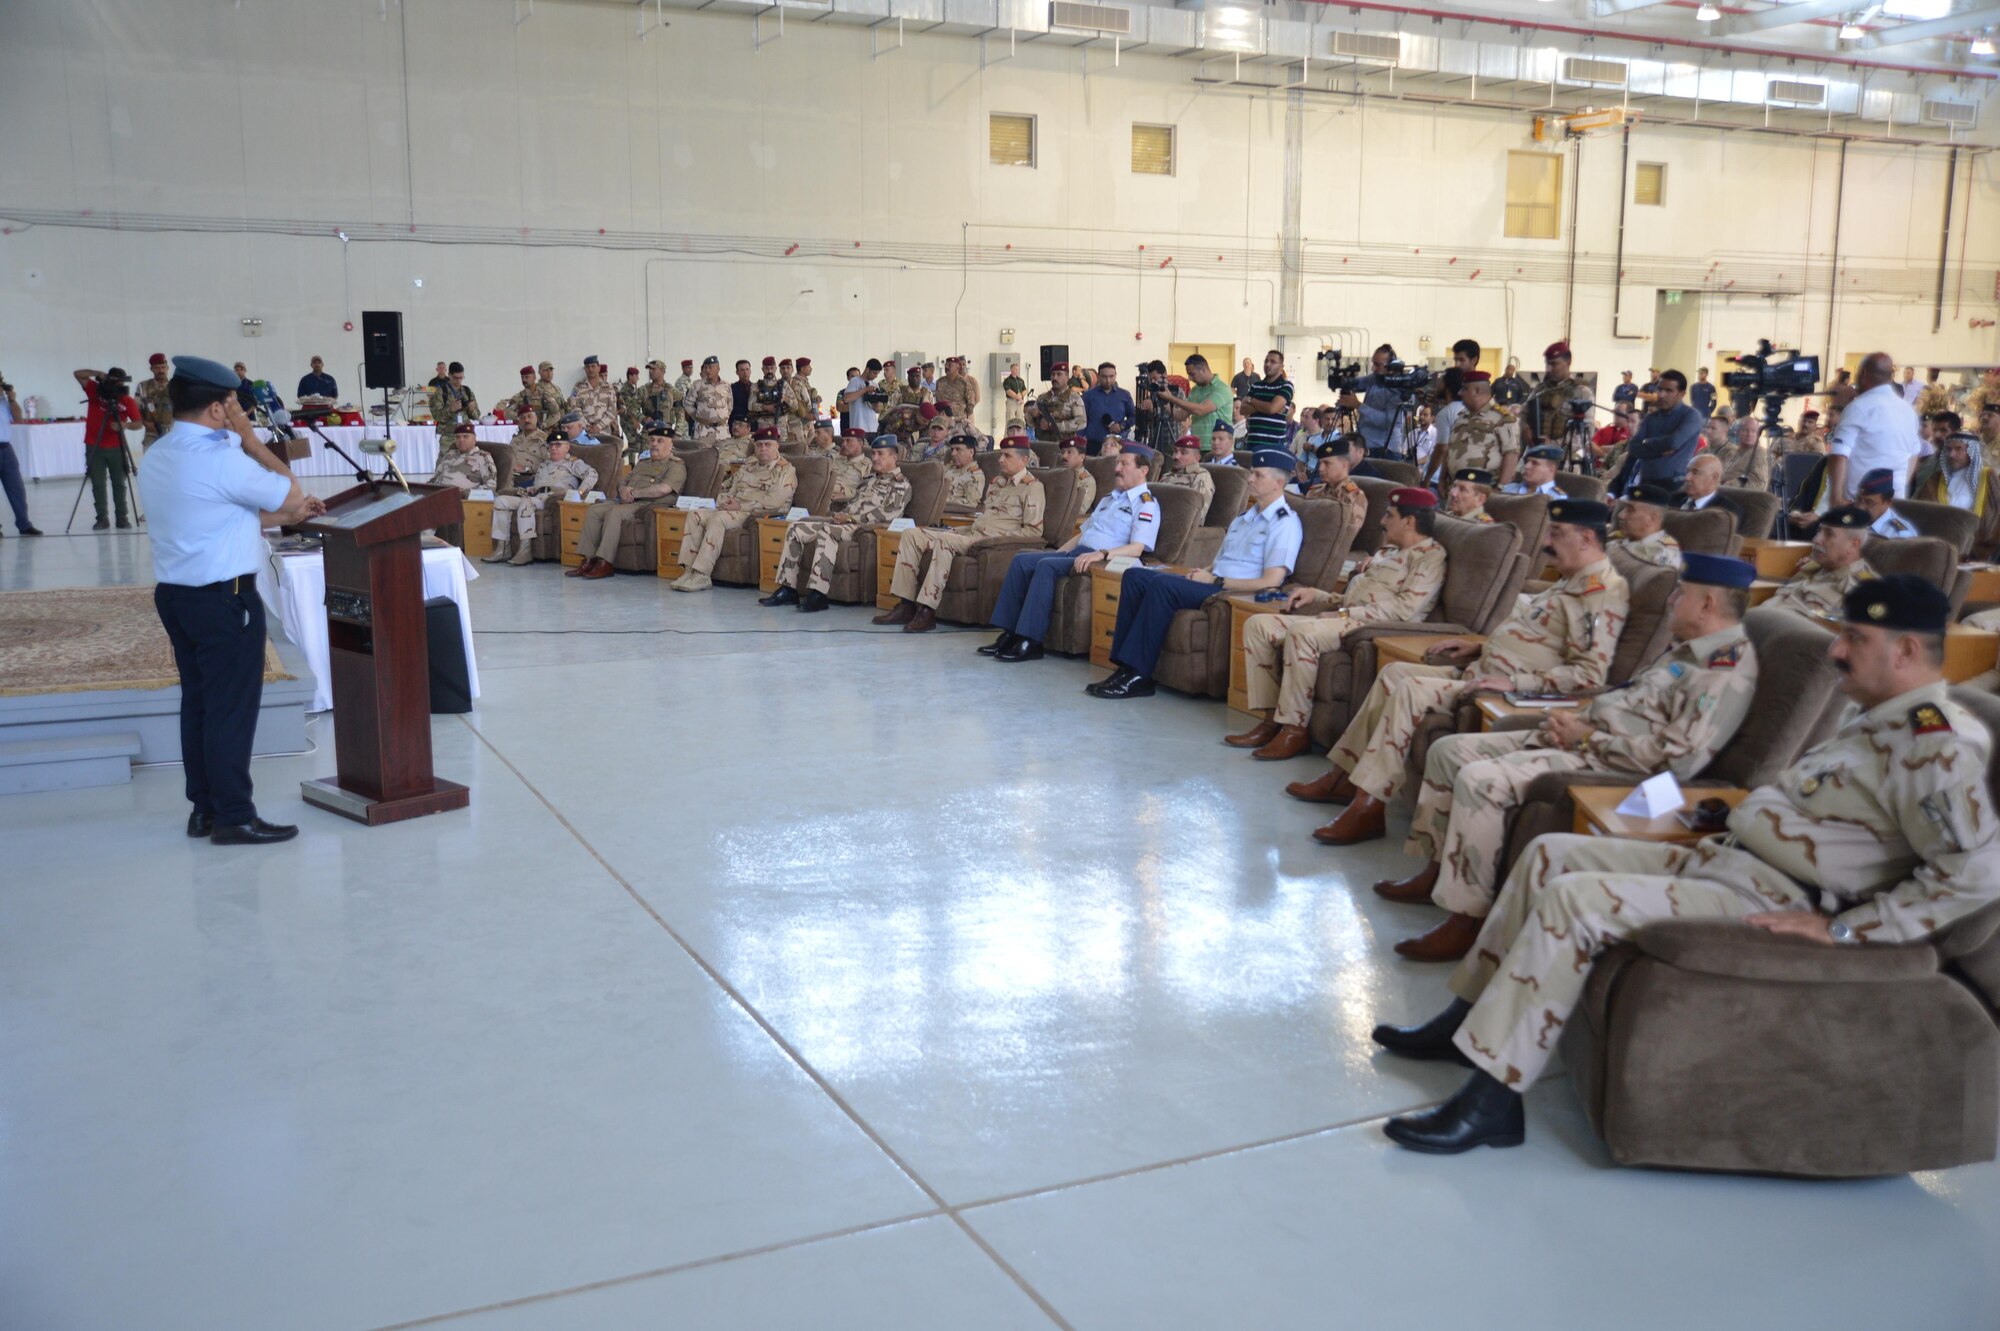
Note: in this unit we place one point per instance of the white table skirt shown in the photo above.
(294, 592)
(56, 449)
(53, 449)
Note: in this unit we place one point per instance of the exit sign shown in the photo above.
(1674, 297)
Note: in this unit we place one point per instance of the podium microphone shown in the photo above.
(386, 450)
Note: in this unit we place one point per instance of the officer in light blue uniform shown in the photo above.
(1259, 551)
(205, 483)
(1876, 496)
(1125, 522)
(1545, 453)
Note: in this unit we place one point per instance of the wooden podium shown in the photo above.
(379, 655)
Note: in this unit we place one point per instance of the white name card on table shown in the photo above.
(481, 493)
(1655, 797)
(902, 524)
(1120, 564)
(690, 502)
(594, 497)
(794, 513)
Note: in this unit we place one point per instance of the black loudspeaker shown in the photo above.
(451, 683)
(382, 348)
(1053, 354)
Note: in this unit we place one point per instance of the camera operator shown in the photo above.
(10, 466)
(1664, 442)
(1877, 429)
(1205, 405)
(1377, 406)
(112, 410)
(1108, 409)
(861, 398)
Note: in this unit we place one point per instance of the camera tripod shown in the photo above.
(131, 476)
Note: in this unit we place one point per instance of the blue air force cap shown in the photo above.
(207, 373)
(1716, 570)
(1277, 459)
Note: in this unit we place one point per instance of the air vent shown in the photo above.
(1108, 19)
(1794, 93)
(1960, 115)
(1383, 48)
(1579, 70)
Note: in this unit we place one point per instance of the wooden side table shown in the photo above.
(1241, 609)
(770, 548)
(1969, 652)
(1775, 560)
(573, 512)
(476, 521)
(1985, 582)
(669, 526)
(1104, 590)
(887, 543)
(1597, 815)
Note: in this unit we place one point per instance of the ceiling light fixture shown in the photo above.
(1851, 32)
(1708, 14)
(1982, 45)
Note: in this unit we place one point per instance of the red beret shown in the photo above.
(1556, 351)
(804, 361)
(1187, 441)
(631, 369)
(1059, 365)
(1410, 496)
(157, 358)
(1810, 416)
(768, 432)
(1475, 377)
(1076, 441)
(770, 362)
(686, 361)
(527, 369)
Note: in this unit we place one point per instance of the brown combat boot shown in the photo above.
(1325, 790)
(1412, 891)
(1256, 737)
(1289, 742)
(923, 621)
(1366, 819)
(904, 612)
(1450, 941)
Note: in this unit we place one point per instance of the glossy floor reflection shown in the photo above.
(791, 972)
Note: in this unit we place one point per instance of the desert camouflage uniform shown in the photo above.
(1744, 464)
(764, 489)
(1086, 493)
(155, 410)
(604, 524)
(472, 470)
(1353, 501)
(1887, 823)
(1806, 441)
(1477, 515)
(1560, 640)
(962, 393)
(450, 404)
(1281, 652)
(816, 543)
(1061, 414)
(598, 404)
(798, 406)
(1676, 716)
(1195, 478)
(1813, 590)
(523, 508)
(1483, 439)
(963, 487)
(543, 397)
(1546, 410)
(848, 474)
(707, 404)
(1660, 550)
(1011, 508)
(531, 450)
(682, 419)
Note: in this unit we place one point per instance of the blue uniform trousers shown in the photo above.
(217, 633)
(1029, 594)
(1148, 599)
(10, 481)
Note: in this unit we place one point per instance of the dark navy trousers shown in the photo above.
(1028, 596)
(217, 632)
(1148, 600)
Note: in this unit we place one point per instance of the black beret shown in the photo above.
(1331, 449)
(1474, 476)
(1846, 518)
(1579, 513)
(1648, 494)
(1716, 570)
(1899, 601)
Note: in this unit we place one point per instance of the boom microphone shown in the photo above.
(386, 450)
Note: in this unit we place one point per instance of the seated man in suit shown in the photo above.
(1124, 523)
(815, 544)
(1559, 640)
(1883, 834)
(1641, 533)
(1835, 565)
(519, 514)
(1186, 470)
(1538, 473)
(1466, 499)
(657, 477)
(1015, 505)
(1676, 715)
(1259, 551)
(1703, 487)
(1399, 583)
(1876, 496)
(964, 482)
(761, 488)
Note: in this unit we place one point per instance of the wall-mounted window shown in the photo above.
(1534, 195)
(1010, 140)
(1649, 186)
(1152, 150)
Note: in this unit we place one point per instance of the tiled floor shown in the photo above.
(788, 972)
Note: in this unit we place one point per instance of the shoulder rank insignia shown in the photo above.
(1928, 719)
(1592, 587)
(1726, 658)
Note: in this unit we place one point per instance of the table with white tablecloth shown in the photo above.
(294, 592)
(50, 448)
(55, 449)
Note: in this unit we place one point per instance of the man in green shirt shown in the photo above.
(1206, 405)
(1015, 391)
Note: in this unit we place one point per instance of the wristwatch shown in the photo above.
(1841, 934)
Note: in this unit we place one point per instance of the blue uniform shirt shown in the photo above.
(202, 497)
(1260, 538)
(1122, 517)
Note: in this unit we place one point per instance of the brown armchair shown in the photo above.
(1576, 485)
(1398, 474)
(1758, 507)
(736, 566)
(604, 459)
(1195, 656)
(1232, 493)
(853, 580)
(1927, 557)
(1484, 569)
(1705, 531)
(974, 585)
(1956, 527)
(1369, 539)
(1530, 515)
(1181, 511)
(1046, 455)
(1707, 1044)
(639, 546)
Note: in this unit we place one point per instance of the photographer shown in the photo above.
(1205, 405)
(10, 466)
(112, 410)
(861, 398)
(1108, 409)
(1379, 407)
(1664, 442)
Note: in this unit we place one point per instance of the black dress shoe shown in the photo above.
(998, 645)
(1481, 1113)
(200, 824)
(1135, 686)
(100, 525)
(123, 525)
(813, 601)
(1120, 675)
(31, 531)
(1022, 649)
(254, 833)
(782, 596)
(1432, 1040)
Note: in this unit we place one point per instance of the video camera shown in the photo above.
(1403, 380)
(1786, 374)
(1150, 377)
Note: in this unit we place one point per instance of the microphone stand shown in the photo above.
(361, 473)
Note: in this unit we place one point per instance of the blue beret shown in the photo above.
(1545, 453)
(1716, 570)
(1880, 481)
(1277, 459)
(1899, 601)
(1139, 451)
(207, 373)
(888, 441)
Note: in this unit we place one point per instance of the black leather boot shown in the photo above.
(782, 596)
(1481, 1113)
(1431, 1040)
(998, 645)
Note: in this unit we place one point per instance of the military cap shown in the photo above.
(856, 432)
(1018, 442)
(1991, 405)
(1880, 481)
(1898, 601)
(1475, 377)
(1139, 451)
(592, 360)
(1415, 496)
(571, 418)
(546, 365)
(1060, 367)
(1649, 494)
(1580, 513)
(658, 427)
(707, 361)
(631, 370)
(888, 441)
(1846, 518)
(1808, 416)
(1556, 351)
(157, 358)
(557, 436)
(527, 370)
(1716, 570)
(1187, 441)
(689, 360)
(784, 362)
(1277, 459)
(770, 362)
(939, 423)
(465, 427)
(1332, 448)
(1077, 442)
(1474, 476)
(805, 362)
(1544, 453)
(767, 432)
(207, 373)
(656, 365)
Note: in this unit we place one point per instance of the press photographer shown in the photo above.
(1206, 406)
(1382, 400)
(112, 411)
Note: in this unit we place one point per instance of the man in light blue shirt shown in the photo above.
(209, 487)
(1259, 551)
(10, 465)
(1538, 473)
(1125, 522)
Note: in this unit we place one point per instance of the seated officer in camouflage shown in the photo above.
(1399, 583)
(517, 516)
(530, 446)
(1641, 532)
(1466, 499)
(1883, 834)
(466, 466)
(1485, 436)
(761, 488)
(657, 477)
(964, 482)
(1833, 569)
(814, 544)
(1071, 455)
(1187, 472)
(851, 465)
(1675, 716)
(1559, 640)
(1015, 505)
(1335, 483)
(1125, 524)
(738, 446)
